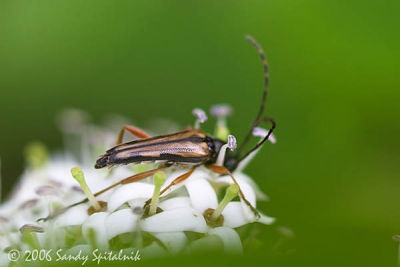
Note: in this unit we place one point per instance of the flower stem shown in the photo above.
(159, 178)
(28, 232)
(36, 155)
(221, 131)
(80, 178)
(231, 193)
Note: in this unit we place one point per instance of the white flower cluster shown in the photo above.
(178, 226)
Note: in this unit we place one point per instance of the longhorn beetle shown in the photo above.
(191, 147)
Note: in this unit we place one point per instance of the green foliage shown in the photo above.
(333, 175)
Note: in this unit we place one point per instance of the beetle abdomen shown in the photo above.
(187, 147)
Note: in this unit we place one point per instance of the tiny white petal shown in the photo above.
(174, 203)
(175, 241)
(73, 216)
(202, 194)
(121, 221)
(128, 192)
(264, 219)
(234, 215)
(260, 195)
(172, 176)
(182, 219)
(230, 238)
(197, 174)
(97, 179)
(96, 221)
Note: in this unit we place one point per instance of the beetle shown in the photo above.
(190, 147)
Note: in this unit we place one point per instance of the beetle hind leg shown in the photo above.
(132, 130)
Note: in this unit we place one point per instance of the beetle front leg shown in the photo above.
(134, 131)
(222, 170)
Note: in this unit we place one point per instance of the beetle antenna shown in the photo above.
(265, 92)
(259, 144)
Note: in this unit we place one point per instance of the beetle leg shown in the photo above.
(133, 178)
(134, 131)
(222, 170)
(130, 179)
(179, 179)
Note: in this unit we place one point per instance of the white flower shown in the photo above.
(182, 208)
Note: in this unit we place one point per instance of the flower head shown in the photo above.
(124, 216)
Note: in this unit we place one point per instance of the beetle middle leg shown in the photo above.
(178, 180)
(130, 179)
(222, 170)
(134, 131)
(133, 178)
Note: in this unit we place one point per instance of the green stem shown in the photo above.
(230, 194)
(159, 178)
(80, 178)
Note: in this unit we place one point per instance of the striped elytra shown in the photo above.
(191, 147)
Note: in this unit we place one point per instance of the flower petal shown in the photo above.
(176, 220)
(260, 195)
(128, 192)
(73, 216)
(175, 241)
(264, 219)
(234, 216)
(94, 230)
(172, 176)
(248, 192)
(229, 237)
(174, 203)
(121, 221)
(202, 194)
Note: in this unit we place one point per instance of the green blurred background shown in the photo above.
(333, 176)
